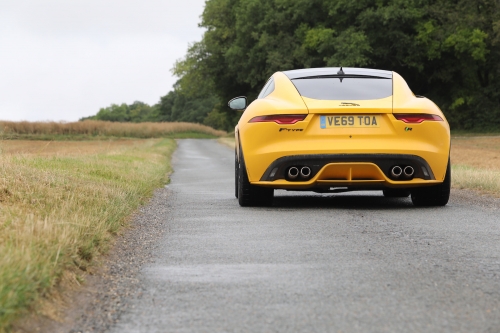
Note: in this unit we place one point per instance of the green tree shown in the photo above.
(174, 106)
(177, 106)
(447, 50)
(114, 112)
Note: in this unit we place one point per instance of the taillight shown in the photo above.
(417, 118)
(279, 118)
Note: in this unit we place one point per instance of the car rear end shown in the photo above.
(355, 129)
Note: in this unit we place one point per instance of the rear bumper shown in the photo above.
(370, 171)
(264, 143)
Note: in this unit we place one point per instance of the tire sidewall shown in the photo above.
(236, 175)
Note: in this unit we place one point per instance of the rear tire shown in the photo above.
(251, 195)
(396, 193)
(236, 165)
(437, 195)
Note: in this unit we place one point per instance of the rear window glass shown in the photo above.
(344, 89)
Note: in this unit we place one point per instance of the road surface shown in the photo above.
(354, 262)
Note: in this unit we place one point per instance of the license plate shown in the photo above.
(341, 121)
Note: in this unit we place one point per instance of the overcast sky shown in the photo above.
(65, 59)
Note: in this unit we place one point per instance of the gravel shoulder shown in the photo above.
(103, 298)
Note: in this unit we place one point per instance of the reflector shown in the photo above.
(279, 118)
(416, 118)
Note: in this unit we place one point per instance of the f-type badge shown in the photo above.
(348, 104)
(408, 129)
(291, 129)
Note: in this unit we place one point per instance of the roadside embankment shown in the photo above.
(60, 205)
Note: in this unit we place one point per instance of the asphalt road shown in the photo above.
(313, 263)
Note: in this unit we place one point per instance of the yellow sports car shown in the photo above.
(341, 129)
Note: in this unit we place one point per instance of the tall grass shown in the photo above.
(94, 128)
(57, 212)
(464, 176)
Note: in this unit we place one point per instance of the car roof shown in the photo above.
(333, 71)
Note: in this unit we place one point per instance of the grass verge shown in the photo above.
(59, 209)
(476, 163)
(467, 177)
(230, 142)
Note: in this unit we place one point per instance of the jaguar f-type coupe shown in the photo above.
(341, 129)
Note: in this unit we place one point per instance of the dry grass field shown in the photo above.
(480, 152)
(61, 203)
(98, 129)
(475, 162)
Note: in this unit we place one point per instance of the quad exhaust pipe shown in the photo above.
(396, 171)
(406, 172)
(293, 172)
(305, 172)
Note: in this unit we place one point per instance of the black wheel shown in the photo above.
(236, 164)
(437, 195)
(251, 195)
(396, 193)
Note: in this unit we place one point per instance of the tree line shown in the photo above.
(447, 50)
(173, 107)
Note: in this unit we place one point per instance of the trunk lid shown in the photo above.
(377, 106)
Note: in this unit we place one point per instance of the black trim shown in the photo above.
(317, 161)
(343, 76)
(315, 72)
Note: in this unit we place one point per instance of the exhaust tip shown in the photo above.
(396, 171)
(409, 171)
(305, 172)
(293, 172)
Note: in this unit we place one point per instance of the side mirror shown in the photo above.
(238, 103)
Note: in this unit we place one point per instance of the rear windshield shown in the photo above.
(345, 88)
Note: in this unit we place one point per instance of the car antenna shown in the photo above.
(340, 72)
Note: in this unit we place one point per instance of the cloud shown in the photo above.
(62, 60)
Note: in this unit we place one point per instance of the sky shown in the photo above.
(62, 60)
